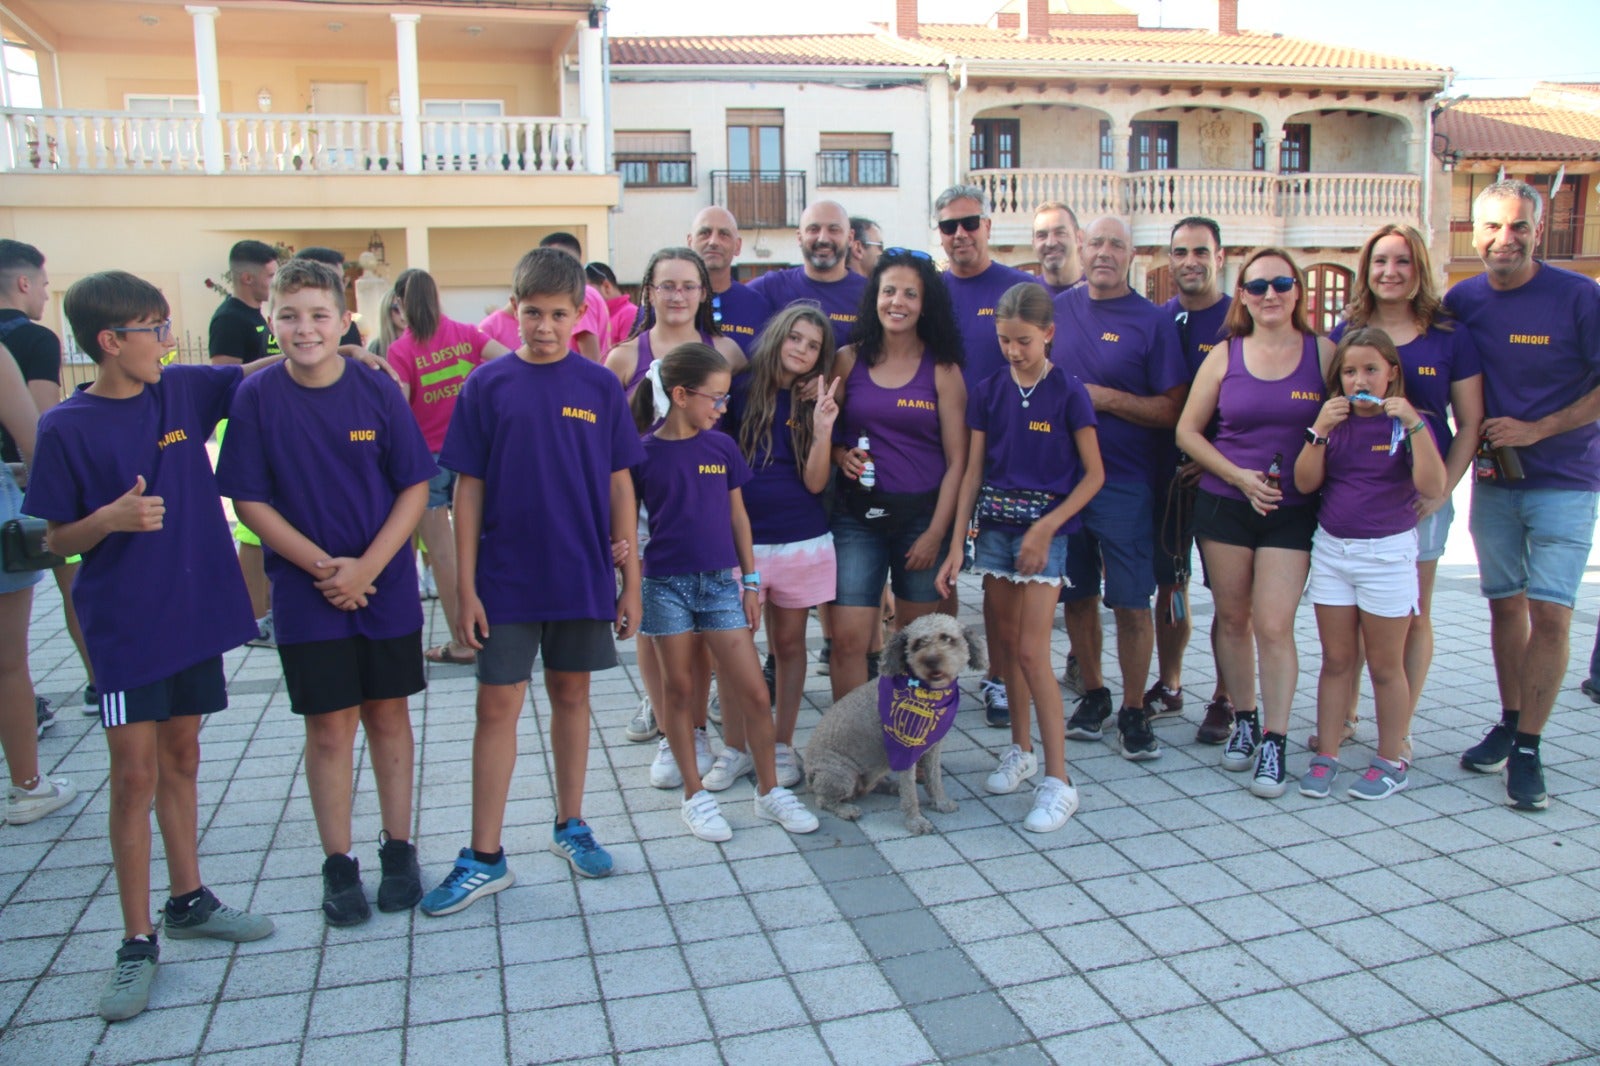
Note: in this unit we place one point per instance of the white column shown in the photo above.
(205, 67)
(417, 247)
(405, 43)
(592, 99)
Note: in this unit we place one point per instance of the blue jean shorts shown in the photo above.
(11, 507)
(441, 486)
(707, 601)
(1433, 531)
(866, 559)
(995, 555)
(1535, 541)
(1117, 526)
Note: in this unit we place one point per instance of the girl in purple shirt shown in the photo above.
(1371, 470)
(690, 484)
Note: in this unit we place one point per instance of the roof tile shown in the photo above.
(1518, 128)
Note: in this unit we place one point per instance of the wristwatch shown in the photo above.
(1312, 438)
(752, 580)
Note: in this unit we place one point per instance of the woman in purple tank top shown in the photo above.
(903, 391)
(677, 310)
(1264, 387)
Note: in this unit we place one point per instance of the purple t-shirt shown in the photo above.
(1540, 346)
(1258, 419)
(902, 427)
(544, 439)
(1199, 331)
(684, 485)
(331, 461)
(781, 510)
(741, 313)
(1430, 364)
(151, 604)
(975, 299)
(1032, 447)
(1366, 492)
(840, 300)
(1125, 343)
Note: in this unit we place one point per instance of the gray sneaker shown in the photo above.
(128, 989)
(643, 727)
(212, 919)
(1379, 780)
(1072, 676)
(43, 716)
(1317, 781)
(714, 706)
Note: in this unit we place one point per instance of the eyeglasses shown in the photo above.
(716, 308)
(670, 289)
(872, 244)
(719, 400)
(1258, 287)
(948, 226)
(396, 309)
(163, 330)
(915, 253)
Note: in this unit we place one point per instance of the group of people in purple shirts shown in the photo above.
(862, 420)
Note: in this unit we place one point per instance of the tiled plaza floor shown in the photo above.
(1175, 919)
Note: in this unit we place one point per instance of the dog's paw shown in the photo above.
(919, 826)
(848, 811)
(949, 806)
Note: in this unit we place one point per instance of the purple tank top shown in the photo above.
(902, 425)
(1257, 419)
(646, 357)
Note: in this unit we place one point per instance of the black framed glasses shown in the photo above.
(162, 330)
(1280, 284)
(915, 253)
(948, 226)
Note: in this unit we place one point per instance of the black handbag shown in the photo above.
(22, 547)
(1013, 507)
(887, 512)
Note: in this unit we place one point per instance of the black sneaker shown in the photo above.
(1268, 782)
(1138, 739)
(1240, 754)
(769, 673)
(401, 887)
(344, 901)
(824, 653)
(1525, 780)
(1087, 722)
(874, 664)
(1488, 756)
(996, 704)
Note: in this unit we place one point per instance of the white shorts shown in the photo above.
(1376, 574)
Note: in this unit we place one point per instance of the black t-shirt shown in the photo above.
(38, 353)
(239, 330)
(351, 336)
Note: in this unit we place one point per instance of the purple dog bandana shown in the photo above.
(914, 718)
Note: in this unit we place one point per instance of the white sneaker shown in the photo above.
(731, 764)
(664, 772)
(1054, 801)
(702, 753)
(266, 633)
(704, 818)
(643, 727)
(29, 805)
(788, 761)
(714, 704)
(784, 807)
(1016, 766)
(427, 587)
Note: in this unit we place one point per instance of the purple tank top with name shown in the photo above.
(902, 425)
(1258, 419)
(646, 357)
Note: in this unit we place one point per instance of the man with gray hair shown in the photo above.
(1537, 328)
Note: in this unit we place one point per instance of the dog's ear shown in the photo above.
(977, 650)
(894, 655)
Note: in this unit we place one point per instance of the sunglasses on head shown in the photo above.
(915, 253)
(1259, 287)
(948, 226)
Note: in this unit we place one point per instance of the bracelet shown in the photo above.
(1414, 430)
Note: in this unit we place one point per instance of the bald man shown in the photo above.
(824, 239)
(741, 313)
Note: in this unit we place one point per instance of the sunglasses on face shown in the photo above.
(915, 253)
(948, 226)
(1259, 287)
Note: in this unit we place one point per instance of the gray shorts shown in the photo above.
(574, 645)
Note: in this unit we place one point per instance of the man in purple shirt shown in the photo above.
(824, 238)
(1055, 243)
(1125, 351)
(741, 313)
(1537, 329)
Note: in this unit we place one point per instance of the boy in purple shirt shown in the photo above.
(159, 594)
(330, 469)
(543, 442)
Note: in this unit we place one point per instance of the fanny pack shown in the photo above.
(22, 547)
(1013, 507)
(887, 512)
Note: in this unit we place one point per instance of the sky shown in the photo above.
(1496, 48)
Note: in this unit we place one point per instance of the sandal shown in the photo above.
(1349, 734)
(446, 655)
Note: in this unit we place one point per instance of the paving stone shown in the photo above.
(1281, 1020)
(889, 1038)
(1199, 1035)
(969, 1025)
(1513, 1035)
(1059, 1005)
(843, 991)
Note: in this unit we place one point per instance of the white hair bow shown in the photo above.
(661, 402)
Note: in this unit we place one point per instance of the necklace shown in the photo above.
(1030, 390)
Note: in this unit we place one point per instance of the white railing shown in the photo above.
(34, 139)
(1342, 195)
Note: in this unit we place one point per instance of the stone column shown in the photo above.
(405, 42)
(205, 65)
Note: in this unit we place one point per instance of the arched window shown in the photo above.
(1328, 290)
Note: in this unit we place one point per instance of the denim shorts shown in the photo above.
(995, 555)
(865, 559)
(1116, 530)
(707, 601)
(11, 507)
(1378, 575)
(1433, 531)
(1533, 541)
(440, 486)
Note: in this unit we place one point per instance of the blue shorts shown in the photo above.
(441, 486)
(1433, 531)
(707, 601)
(197, 689)
(996, 556)
(1533, 541)
(1117, 526)
(865, 559)
(11, 507)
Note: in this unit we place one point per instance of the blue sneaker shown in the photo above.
(577, 845)
(469, 880)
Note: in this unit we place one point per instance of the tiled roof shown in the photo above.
(834, 49)
(1518, 128)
